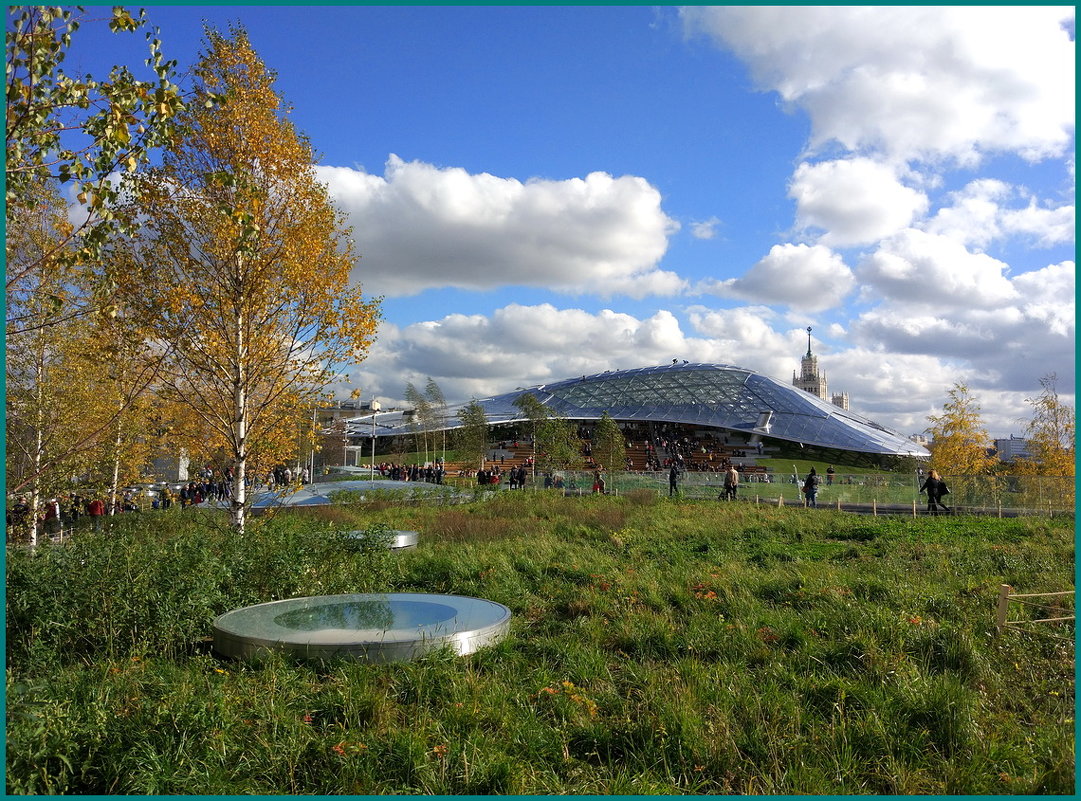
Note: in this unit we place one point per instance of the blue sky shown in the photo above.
(541, 192)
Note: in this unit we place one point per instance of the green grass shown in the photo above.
(656, 647)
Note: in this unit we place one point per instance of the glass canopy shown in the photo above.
(716, 396)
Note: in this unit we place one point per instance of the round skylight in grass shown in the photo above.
(392, 627)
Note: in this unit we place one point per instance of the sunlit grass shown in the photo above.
(656, 647)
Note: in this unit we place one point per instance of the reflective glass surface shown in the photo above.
(713, 395)
(361, 619)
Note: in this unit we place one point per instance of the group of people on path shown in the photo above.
(59, 514)
(429, 473)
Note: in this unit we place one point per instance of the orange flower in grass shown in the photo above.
(440, 751)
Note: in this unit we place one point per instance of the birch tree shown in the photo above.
(1050, 433)
(246, 265)
(433, 394)
(960, 443)
(472, 436)
(75, 128)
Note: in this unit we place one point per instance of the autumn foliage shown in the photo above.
(245, 265)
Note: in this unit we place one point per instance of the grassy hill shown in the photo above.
(656, 647)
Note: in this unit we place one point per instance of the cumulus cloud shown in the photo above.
(896, 365)
(806, 277)
(916, 266)
(518, 345)
(1048, 299)
(1008, 343)
(912, 82)
(854, 201)
(419, 226)
(977, 215)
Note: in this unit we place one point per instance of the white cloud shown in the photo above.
(707, 229)
(897, 370)
(1007, 344)
(918, 267)
(977, 216)
(913, 82)
(478, 355)
(806, 277)
(854, 201)
(1049, 300)
(420, 226)
(1048, 226)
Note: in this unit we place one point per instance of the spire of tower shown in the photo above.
(808, 340)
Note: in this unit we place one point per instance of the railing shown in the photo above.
(1006, 595)
(988, 495)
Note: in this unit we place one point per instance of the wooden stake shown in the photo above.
(874, 507)
(1003, 605)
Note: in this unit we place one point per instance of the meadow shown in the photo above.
(656, 647)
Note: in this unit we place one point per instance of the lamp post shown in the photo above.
(375, 407)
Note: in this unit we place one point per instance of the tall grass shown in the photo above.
(656, 647)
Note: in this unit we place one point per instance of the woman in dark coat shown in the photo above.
(936, 488)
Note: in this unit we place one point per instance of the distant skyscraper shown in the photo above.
(810, 380)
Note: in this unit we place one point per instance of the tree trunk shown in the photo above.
(39, 444)
(240, 424)
(114, 486)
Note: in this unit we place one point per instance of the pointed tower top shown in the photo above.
(808, 340)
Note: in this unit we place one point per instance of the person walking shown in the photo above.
(673, 480)
(731, 483)
(810, 488)
(935, 488)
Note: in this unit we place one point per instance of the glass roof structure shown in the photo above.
(717, 396)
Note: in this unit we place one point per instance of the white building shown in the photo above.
(810, 380)
(1012, 448)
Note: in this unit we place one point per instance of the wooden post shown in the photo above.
(1003, 605)
(780, 501)
(838, 504)
(874, 507)
(914, 508)
(1000, 508)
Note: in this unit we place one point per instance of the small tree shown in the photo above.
(959, 442)
(421, 420)
(1050, 433)
(473, 435)
(1052, 448)
(609, 444)
(537, 414)
(438, 406)
(560, 447)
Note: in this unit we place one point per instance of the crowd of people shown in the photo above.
(430, 473)
(61, 514)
